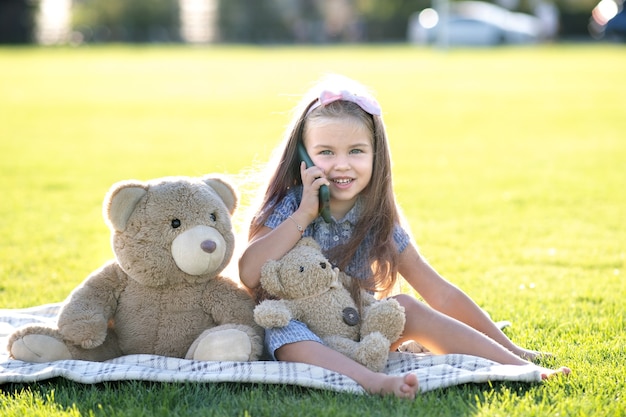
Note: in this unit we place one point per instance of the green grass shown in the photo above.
(509, 163)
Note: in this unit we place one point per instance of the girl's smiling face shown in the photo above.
(342, 148)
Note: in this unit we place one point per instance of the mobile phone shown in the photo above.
(324, 192)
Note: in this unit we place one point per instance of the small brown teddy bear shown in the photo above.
(163, 293)
(312, 291)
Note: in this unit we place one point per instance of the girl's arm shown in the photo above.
(445, 297)
(274, 243)
(269, 244)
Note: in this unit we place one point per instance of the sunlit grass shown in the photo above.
(509, 164)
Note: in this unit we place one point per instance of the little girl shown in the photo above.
(339, 123)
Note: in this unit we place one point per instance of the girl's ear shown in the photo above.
(270, 278)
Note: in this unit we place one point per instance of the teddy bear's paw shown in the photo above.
(271, 321)
(271, 313)
(89, 343)
(86, 333)
(39, 348)
(387, 317)
(223, 345)
(93, 342)
(373, 351)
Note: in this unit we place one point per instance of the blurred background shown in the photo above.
(443, 22)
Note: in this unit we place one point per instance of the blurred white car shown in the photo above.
(608, 20)
(474, 23)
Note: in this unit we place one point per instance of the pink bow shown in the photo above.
(369, 104)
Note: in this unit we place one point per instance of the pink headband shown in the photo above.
(369, 104)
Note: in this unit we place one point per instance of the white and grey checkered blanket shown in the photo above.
(432, 371)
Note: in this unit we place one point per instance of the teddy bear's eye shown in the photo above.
(176, 224)
(301, 269)
(323, 265)
(213, 217)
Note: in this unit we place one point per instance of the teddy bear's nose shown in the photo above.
(323, 265)
(208, 246)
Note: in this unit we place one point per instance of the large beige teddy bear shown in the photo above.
(311, 290)
(163, 293)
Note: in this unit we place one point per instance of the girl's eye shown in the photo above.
(213, 217)
(326, 152)
(356, 151)
(176, 224)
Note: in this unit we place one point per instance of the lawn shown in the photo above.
(509, 163)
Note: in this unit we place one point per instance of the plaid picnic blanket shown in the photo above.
(433, 371)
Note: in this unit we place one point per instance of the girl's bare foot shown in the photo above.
(548, 373)
(404, 386)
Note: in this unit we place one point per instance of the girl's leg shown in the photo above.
(442, 334)
(315, 353)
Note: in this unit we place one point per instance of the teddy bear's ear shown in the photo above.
(309, 241)
(121, 201)
(269, 277)
(226, 191)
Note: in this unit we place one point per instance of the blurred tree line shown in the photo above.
(126, 20)
(16, 21)
(251, 21)
(316, 21)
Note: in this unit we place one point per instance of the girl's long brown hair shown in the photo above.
(380, 213)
